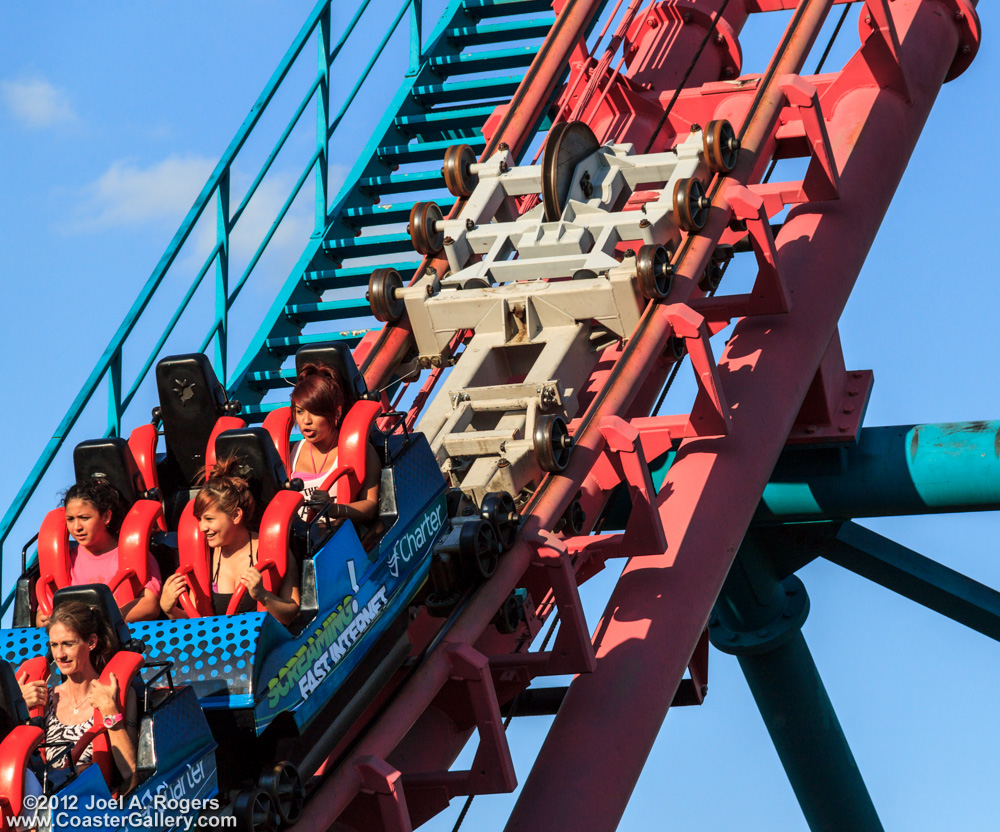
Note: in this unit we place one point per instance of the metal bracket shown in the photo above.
(822, 180)
(573, 651)
(835, 404)
(492, 769)
(769, 295)
(644, 533)
(380, 779)
(710, 414)
(879, 19)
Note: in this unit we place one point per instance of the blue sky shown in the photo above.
(112, 116)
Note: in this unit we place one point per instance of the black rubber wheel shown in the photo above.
(424, 234)
(568, 144)
(440, 604)
(458, 179)
(254, 811)
(479, 549)
(498, 510)
(653, 271)
(720, 145)
(552, 443)
(574, 518)
(284, 786)
(508, 617)
(382, 287)
(690, 205)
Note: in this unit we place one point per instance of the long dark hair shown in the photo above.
(320, 391)
(103, 496)
(86, 621)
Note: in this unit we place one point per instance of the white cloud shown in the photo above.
(36, 103)
(126, 194)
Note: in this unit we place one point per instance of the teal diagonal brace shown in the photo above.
(906, 573)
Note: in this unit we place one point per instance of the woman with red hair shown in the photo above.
(318, 406)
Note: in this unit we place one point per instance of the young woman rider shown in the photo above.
(94, 514)
(318, 406)
(224, 508)
(82, 643)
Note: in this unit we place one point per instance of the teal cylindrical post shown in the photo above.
(907, 469)
(808, 738)
(759, 619)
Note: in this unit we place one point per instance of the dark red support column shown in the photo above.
(657, 613)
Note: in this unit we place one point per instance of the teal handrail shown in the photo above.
(217, 187)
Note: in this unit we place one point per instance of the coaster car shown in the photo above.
(265, 692)
(175, 772)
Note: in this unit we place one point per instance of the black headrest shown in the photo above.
(191, 400)
(260, 464)
(102, 599)
(15, 712)
(110, 459)
(337, 355)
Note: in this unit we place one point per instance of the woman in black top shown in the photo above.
(224, 507)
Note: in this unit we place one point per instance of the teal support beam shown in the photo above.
(416, 33)
(888, 564)
(323, 124)
(222, 228)
(758, 618)
(908, 469)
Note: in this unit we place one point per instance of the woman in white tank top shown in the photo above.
(318, 407)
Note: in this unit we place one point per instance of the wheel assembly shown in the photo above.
(653, 271)
(284, 786)
(508, 617)
(573, 519)
(382, 288)
(458, 179)
(423, 227)
(568, 144)
(721, 146)
(479, 549)
(498, 510)
(552, 443)
(254, 811)
(691, 205)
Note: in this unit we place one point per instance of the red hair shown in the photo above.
(319, 391)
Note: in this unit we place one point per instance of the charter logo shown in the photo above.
(415, 541)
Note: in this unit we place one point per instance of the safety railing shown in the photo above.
(109, 368)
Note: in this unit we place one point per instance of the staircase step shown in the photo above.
(372, 246)
(388, 214)
(460, 92)
(442, 123)
(325, 279)
(331, 310)
(253, 414)
(289, 344)
(484, 9)
(425, 151)
(402, 183)
(465, 64)
(505, 32)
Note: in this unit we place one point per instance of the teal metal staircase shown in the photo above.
(477, 57)
(473, 60)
